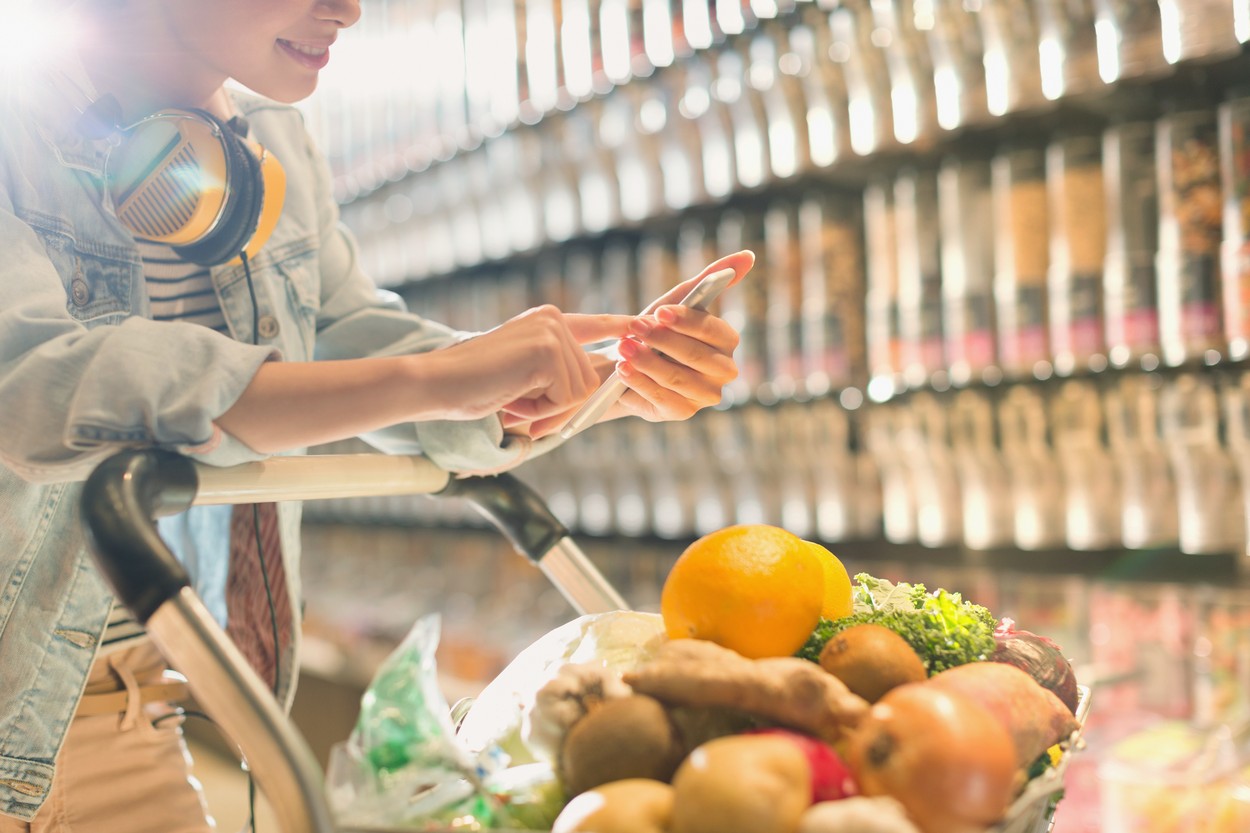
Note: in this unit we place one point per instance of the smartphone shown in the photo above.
(700, 297)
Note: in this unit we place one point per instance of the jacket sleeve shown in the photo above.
(70, 395)
(359, 319)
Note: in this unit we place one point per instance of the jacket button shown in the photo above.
(79, 292)
(267, 326)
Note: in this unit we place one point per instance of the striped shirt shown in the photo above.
(177, 291)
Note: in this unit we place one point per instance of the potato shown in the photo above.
(635, 805)
(742, 784)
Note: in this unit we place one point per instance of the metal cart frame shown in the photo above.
(126, 493)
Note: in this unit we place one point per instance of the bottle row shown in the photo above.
(1180, 650)
(1129, 248)
(419, 81)
(1123, 248)
(1132, 461)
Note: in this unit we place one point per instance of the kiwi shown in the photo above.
(871, 659)
(627, 737)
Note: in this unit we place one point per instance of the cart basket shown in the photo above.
(127, 492)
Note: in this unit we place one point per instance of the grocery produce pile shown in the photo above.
(771, 694)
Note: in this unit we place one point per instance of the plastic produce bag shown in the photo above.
(402, 765)
(499, 717)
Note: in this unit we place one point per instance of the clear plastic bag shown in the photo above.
(402, 765)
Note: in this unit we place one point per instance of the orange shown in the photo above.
(837, 601)
(753, 588)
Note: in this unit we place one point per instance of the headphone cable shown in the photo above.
(255, 509)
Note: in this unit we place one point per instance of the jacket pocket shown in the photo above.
(99, 287)
(300, 273)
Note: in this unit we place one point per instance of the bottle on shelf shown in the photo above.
(1091, 489)
(1078, 248)
(965, 214)
(984, 485)
(784, 315)
(869, 110)
(702, 104)
(1196, 29)
(1190, 229)
(591, 159)
(1130, 300)
(1143, 469)
(921, 356)
(783, 106)
(642, 112)
(1234, 122)
(1129, 38)
(881, 294)
(1208, 496)
(956, 50)
(823, 89)
(1235, 411)
(887, 437)
(578, 35)
(1013, 80)
(909, 66)
(832, 293)
(745, 308)
(752, 163)
(1021, 261)
(934, 482)
(1033, 472)
(561, 212)
(679, 150)
(1067, 48)
(838, 492)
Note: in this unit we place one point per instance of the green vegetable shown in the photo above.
(942, 628)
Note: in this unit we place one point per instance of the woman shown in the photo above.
(109, 341)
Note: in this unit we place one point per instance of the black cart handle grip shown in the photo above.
(121, 499)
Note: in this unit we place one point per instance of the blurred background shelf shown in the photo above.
(995, 340)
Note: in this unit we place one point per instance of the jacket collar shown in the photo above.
(57, 93)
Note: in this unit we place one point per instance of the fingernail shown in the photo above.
(666, 314)
(641, 326)
(629, 347)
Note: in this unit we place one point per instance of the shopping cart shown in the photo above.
(125, 494)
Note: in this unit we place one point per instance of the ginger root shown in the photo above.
(786, 690)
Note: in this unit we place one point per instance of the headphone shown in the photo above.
(185, 178)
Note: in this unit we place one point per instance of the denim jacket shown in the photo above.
(84, 372)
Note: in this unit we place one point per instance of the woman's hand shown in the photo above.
(530, 369)
(675, 360)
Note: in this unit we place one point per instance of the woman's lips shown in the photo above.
(313, 57)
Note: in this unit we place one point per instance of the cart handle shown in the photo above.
(132, 487)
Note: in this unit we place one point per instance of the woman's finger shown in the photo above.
(697, 339)
(652, 400)
(741, 262)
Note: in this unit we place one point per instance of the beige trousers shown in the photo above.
(119, 772)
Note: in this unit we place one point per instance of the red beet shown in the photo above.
(1040, 658)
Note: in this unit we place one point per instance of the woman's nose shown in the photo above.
(343, 12)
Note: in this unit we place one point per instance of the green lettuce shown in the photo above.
(942, 628)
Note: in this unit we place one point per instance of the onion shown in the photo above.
(948, 761)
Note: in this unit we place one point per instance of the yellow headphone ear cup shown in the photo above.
(273, 178)
(168, 179)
